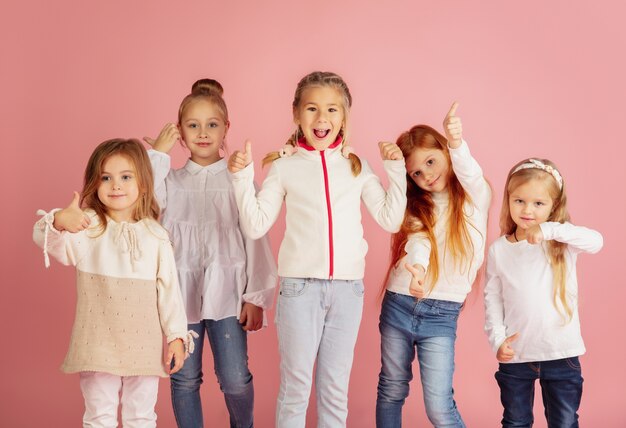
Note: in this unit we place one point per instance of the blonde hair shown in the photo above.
(419, 216)
(559, 213)
(210, 90)
(146, 205)
(321, 79)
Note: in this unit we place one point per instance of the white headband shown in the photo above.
(537, 164)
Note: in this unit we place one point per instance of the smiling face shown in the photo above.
(203, 129)
(320, 115)
(429, 169)
(530, 203)
(119, 188)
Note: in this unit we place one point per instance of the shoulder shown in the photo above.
(154, 228)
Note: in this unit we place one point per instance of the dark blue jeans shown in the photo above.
(561, 389)
(230, 355)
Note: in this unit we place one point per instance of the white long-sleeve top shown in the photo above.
(519, 294)
(218, 267)
(127, 294)
(324, 235)
(455, 281)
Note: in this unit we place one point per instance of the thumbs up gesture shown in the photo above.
(416, 288)
(239, 160)
(453, 127)
(505, 352)
(166, 139)
(73, 218)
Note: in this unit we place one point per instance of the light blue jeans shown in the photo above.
(316, 320)
(230, 355)
(428, 325)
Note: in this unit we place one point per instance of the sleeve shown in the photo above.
(494, 304)
(386, 207)
(261, 273)
(470, 174)
(418, 250)
(161, 164)
(64, 246)
(169, 298)
(578, 238)
(257, 211)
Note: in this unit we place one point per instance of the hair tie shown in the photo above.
(346, 151)
(287, 151)
(537, 164)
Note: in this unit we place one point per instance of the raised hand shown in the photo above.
(73, 218)
(239, 160)
(453, 127)
(390, 151)
(534, 235)
(175, 352)
(168, 136)
(416, 288)
(251, 318)
(505, 352)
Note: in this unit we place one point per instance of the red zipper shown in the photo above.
(330, 217)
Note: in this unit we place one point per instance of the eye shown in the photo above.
(192, 125)
(429, 162)
(311, 109)
(539, 204)
(105, 178)
(417, 173)
(332, 110)
(518, 201)
(127, 177)
(214, 125)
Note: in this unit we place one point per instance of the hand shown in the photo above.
(390, 151)
(168, 136)
(505, 352)
(453, 127)
(175, 351)
(251, 317)
(416, 288)
(72, 218)
(239, 160)
(534, 235)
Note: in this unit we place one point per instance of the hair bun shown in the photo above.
(206, 86)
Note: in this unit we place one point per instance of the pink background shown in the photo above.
(532, 78)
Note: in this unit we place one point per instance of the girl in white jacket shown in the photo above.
(531, 296)
(322, 256)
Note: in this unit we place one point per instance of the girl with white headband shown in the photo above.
(531, 297)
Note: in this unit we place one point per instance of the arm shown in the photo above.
(61, 233)
(387, 207)
(494, 305)
(260, 272)
(257, 212)
(577, 237)
(171, 308)
(160, 160)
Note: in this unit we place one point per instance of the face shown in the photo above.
(203, 130)
(320, 115)
(429, 169)
(119, 189)
(530, 204)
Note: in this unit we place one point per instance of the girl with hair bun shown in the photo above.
(226, 279)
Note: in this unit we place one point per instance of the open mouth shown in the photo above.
(321, 133)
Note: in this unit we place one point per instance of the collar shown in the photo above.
(302, 143)
(215, 168)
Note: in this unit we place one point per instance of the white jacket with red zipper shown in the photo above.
(324, 235)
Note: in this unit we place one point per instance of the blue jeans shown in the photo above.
(428, 325)
(317, 322)
(230, 354)
(561, 389)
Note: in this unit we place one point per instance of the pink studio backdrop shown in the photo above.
(532, 78)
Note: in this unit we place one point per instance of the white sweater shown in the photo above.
(323, 236)
(519, 290)
(454, 281)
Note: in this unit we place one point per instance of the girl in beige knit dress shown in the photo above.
(128, 297)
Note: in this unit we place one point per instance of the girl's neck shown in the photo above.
(518, 235)
(121, 218)
(302, 142)
(205, 161)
